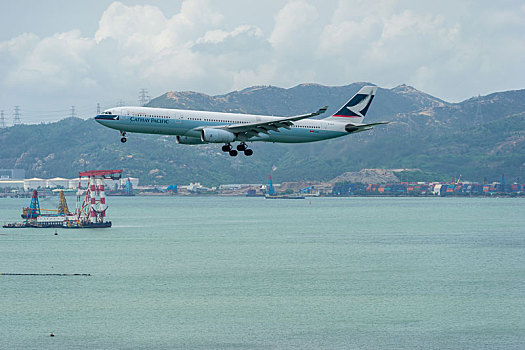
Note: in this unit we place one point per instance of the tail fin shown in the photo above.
(356, 107)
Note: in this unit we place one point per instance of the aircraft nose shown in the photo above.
(100, 119)
(105, 117)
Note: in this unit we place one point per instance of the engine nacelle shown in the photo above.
(186, 140)
(217, 136)
(351, 128)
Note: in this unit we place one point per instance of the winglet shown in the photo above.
(320, 111)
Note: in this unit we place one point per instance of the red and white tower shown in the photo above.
(92, 207)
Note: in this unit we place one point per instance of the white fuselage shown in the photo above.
(190, 123)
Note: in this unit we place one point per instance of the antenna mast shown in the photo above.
(143, 97)
(16, 116)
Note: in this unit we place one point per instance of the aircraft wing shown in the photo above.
(264, 127)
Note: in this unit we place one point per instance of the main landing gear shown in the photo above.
(242, 147)
(123, 134)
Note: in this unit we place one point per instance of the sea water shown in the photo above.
(250, 273)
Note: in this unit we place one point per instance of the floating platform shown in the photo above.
(57, 224)
(90, 209)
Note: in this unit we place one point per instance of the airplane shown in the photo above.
(202, 127)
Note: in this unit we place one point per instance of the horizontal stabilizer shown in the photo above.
(362, 127)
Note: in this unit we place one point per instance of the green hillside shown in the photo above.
(480, 137)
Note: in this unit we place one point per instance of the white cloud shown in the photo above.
(130, 25)
(429, 46)
(294, 25)
(263, 74)
(19, 46)
(452, 50)
(51, 63)
(242, 40)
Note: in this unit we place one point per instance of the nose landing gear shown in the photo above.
(123, 134)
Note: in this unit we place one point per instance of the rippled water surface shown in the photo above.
(250, 273)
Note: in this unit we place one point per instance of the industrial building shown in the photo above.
(12, 174)
(58, 182)
(430, 189)
(13, 184)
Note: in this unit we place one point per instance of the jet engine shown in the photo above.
(216, 135)
(186, 140)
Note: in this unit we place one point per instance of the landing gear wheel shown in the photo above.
(233, 153)
(227, 147)
(242, 147)
(123, 140)
(248, 152)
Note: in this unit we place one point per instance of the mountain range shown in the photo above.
(480, 138)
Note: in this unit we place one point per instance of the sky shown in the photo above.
(55, 54)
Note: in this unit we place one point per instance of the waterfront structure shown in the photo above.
(57, 182)
(34, 183)
(12, 184)
(73, 183)
(429, 189)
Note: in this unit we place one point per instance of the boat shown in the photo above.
(16, 225)
(284, 196)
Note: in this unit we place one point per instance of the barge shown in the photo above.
(90, 211)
